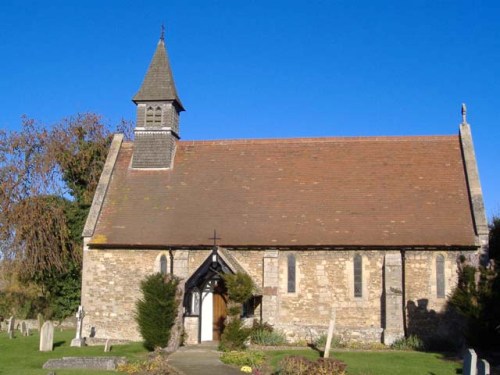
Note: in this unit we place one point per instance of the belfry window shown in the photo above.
(163, 265)
(153, 116)
(440, 288)
(149, 115)
(358, 276)
(157, 116)
(291, 273)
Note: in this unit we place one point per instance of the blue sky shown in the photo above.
(265, 69)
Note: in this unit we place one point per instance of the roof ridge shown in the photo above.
(320, 140)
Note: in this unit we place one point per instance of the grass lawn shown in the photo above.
(380, 362)
(20, 356)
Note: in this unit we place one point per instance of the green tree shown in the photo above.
(48, 177)
(477, 296)
(156, 310)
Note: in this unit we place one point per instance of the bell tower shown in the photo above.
(158, 108)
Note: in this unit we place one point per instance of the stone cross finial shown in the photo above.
(162, 35)
(464, 114)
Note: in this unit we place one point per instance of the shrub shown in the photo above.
(155, 365)
(234, 336)
(296, 365)
(258, 325)
(267, 338)
(156, 311)
(250, 358)
(408, 343)
(239, 286)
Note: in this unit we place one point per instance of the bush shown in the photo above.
(268, 338)
(239, 287)
(258, 325)
(409, 343)
(250, 358)
(234, 336)
(295, 365)
(156, 311)
(156, 365)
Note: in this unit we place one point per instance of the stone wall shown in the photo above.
(324, 281)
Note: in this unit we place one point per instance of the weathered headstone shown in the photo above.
(23, 328)
(483, 367)
(11, 334)
(107, 347)
(11, 325)
(28, 331)
(470, 362)
(79, 341)
(47, 337)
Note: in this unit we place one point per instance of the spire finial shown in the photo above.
(464, 114)
(162, 35)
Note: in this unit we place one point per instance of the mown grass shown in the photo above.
(379, 362)
(20, 356)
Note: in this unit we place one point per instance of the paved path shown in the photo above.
(202, 359)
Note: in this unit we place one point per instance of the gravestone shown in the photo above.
(47, 337)
(11, 324)
(28, 331)
(483, 367)
(23, 329)
(107, 347)
(79, 341)
(470, 362)
(11, 334)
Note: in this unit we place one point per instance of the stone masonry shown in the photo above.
(324, 279)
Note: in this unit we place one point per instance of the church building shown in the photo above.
(369, 229)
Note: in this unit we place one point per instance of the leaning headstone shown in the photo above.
(107, 347)
(47, 337)
(11, 325)
(470, 362)
(483, 367)
(79, 340)
(23, 328)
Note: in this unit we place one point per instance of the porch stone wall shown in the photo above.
(191, 330)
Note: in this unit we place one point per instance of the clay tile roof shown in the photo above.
(380, 191)
(158, 84)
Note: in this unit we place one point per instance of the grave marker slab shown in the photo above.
(483, 367)
(47, 337)
(11, 324)
(23, 328)
(470, 362)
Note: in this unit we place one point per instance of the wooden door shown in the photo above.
(220, 313)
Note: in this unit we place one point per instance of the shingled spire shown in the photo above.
(158, 108)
